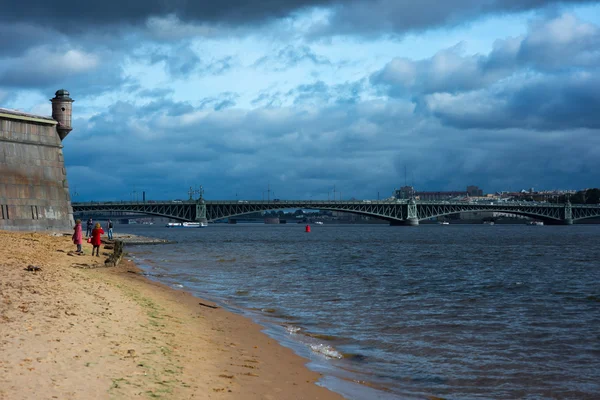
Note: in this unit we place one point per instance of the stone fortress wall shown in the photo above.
(34, 192)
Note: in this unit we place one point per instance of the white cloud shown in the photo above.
(191, 100)
(43, 65)
(552, 45)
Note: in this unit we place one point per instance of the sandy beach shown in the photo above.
(78, 330)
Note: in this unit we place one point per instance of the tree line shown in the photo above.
(589, 196)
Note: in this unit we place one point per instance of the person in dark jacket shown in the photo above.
(97, 232)
(109, 226)
(90, 225)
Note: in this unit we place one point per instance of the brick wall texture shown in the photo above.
(34, 193)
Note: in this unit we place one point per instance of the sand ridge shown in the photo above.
(77, 330)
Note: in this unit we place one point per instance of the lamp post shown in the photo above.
(74, 194)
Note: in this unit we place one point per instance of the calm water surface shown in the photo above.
(460, 312)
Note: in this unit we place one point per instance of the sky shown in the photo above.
(304, 97)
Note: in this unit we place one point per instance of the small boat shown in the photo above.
(488, 222)
(538, 223)
(203, 224)
(444, 223)
(318, 222)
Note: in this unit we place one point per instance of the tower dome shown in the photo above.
(63, 93)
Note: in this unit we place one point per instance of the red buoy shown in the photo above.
(307, 229)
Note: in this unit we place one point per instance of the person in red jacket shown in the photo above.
(96, 240)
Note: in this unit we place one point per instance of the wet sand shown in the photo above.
(77, 330)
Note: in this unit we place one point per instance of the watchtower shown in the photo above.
(61, 112)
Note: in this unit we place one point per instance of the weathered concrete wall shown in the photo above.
(34, 193)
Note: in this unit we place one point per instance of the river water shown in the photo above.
(458, 311)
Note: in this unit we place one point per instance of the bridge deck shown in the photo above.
(396, 210)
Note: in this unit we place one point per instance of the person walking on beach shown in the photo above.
(96, 240)
(77, 235)
(90, 224)
(109, 226)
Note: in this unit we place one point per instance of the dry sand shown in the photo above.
(74, 332)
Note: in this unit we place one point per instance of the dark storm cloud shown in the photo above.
(303, 151)
(17, 38)
(239, 146)
(76, 15)
(515, 160)
(509, 100)
(349, 16)
(550, 103)
(400, 16)
(110, 31)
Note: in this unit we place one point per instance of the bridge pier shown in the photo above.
(568, 213)
(412, 214)
(411, 222)
(201, 211)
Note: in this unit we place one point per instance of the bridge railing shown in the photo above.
(147, 202)
(283, 203)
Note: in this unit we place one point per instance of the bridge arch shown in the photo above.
(142, 213)
(537, 216)
(212, 216)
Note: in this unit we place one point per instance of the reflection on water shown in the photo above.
(453, 311)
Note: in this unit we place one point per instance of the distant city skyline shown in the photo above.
(306, 95)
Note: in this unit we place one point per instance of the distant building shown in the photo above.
(434, 196)
(474, 191)
(405, 192)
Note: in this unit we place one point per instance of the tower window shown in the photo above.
(62, 108)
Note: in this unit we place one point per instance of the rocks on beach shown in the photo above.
(130, 239)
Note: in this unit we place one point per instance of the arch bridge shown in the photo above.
(398, 212)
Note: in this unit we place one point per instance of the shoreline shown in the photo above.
(97, 332)
(347, 384)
